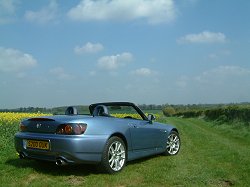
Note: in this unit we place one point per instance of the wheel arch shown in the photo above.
(175, 130)
(120, 135)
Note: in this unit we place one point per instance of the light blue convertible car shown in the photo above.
(99, 138)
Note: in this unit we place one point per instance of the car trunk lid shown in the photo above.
(49, 124)
(41, 125)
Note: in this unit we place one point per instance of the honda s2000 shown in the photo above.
(101, 137)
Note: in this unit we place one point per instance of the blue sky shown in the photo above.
(55, 53)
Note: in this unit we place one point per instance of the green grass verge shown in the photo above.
(210, 156)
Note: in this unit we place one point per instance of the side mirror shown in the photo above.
(151, 117)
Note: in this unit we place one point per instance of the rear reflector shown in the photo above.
(22, 127)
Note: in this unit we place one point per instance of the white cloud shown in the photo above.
(223, 77)
(203, 37)
(120, 10)
(89, 48)
(7, 10)
(92, 73)
(213, 56)
(114, 61)
(143, 72)
(45, 15)
(219, 54)
(223, 84)
(222, 72)
(60, 73)
(8, 6)
(13, 60)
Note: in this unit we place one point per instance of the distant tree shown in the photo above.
(168, 111)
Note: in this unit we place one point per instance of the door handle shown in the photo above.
(133, 125)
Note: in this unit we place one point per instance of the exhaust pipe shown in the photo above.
(60, 162)
(21, 155)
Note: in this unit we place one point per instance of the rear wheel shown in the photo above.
(173, 143)
(114, 155)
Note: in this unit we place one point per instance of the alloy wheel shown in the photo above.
(116, 156)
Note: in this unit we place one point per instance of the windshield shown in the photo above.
(121, 110)
(124, 112)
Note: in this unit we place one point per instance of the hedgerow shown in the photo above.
(224, 114)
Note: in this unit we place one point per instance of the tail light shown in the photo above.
(22, 127)
(72, 129)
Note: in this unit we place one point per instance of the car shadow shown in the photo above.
(67, 170)
(52, 169)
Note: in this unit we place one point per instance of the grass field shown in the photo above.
(210, 156)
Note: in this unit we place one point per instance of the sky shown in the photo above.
(78, 52)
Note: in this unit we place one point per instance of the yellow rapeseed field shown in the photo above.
(15, 117)
(136, 116)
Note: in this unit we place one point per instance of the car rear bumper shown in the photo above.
(69, 148)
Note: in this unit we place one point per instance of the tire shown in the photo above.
(114, 155)
(173, 144)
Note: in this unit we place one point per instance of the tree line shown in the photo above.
(223, 113)
(62, 109)
(219, 112)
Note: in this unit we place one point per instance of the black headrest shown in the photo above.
(101, 110)
(71, 111)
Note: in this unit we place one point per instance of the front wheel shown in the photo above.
(114, 155)
(173, 144)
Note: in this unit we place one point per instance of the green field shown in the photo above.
(210, 156)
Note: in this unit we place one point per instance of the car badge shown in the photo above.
(38, 125)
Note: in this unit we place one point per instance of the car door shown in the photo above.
(143, 134)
